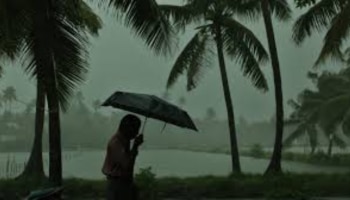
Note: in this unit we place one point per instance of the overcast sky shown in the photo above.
(120, 61)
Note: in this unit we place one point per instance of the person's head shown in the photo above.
(129, 126)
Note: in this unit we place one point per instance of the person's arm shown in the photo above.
(134, 151)
(125, 161)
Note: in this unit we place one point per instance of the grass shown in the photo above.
(242, 186)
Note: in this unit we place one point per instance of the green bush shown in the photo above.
(147, 183)
(257, 151)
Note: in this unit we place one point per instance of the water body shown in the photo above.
(87, 164)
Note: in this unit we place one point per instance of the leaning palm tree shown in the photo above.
(327, 109)
(217, 26)
(281, 10)
(332, 15)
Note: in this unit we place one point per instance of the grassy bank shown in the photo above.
(244, 186)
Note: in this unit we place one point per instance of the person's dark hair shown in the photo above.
(130, 126)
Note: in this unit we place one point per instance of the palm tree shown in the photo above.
(333, 15)
(55, 46)
(282, 12)
(49, 52)
(326, 109)
(305, 121)
(9, 96)
(217, 26)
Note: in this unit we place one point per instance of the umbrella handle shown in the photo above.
(144, 125)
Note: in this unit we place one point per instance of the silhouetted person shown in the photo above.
(120, 159)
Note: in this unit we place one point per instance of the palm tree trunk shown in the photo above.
(236, 168)
(330, 148)
(35, 168)
(275, 163)
(46, 64)
(55, 169)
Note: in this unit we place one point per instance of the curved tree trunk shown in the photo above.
(35, 168)
(275, 163)
(236, 168)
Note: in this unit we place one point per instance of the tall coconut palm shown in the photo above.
(85, 20)
(330, 15)
(217, 26)
(56, 48)
(282, 11)
(51, 50)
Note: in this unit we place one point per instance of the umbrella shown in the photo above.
(151, 106)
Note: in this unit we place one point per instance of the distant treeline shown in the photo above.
(86, 127)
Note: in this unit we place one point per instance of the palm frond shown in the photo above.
(317, 18)
(345, 125)
(333, 111)
(181, 16)
(336, 36)
(241, 44)
(304, 3)
(281, 9)
(245, 9)
(13, 23)
(338, 141)
(56, 41)
(191, 59)
(147, 21)
(199, 63)
(81, 15)
(298, 132)
(346, 56)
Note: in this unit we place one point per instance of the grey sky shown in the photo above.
(119, 61)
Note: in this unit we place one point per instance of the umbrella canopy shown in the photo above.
(151, 106)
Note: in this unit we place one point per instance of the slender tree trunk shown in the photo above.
(236, 168)
(313, 150)
(275, 163)
(43, 52)
(330, 148)
(35, 168)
